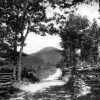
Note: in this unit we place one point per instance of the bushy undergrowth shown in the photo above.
(85, 64)
(29, 76)
(8, 92)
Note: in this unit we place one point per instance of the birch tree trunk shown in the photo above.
(15, 58)
(23, 40)
(20, 64)
(20, 55)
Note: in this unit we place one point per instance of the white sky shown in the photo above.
(90, 11)
(36, 42)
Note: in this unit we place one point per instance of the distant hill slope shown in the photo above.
(49, 55)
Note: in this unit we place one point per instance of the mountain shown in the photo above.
(49, 55)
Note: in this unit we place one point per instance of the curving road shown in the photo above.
(50, 88)
(45, 83)
(41, 86)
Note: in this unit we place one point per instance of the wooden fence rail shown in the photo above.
(6, 80)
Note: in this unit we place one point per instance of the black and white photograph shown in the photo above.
(49, 50)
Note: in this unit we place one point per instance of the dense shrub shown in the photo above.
(29, 76)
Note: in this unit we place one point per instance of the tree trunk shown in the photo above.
(20, 55)
(20, 64)
(23, 40)
(15, 58)
(14, 73)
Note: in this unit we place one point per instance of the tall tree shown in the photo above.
(22, 17)
(89, 49)
(77, 33)
(71, 31)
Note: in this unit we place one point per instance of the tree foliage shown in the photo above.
(71, 31)
(91, 43)
(77, 33)
(18, 18)
(7, 52)
(69, 3)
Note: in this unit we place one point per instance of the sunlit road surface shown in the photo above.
(54, 76)
(50, 81)
(50, 88)
(41, 86)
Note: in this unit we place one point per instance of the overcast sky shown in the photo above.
(36, 42)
